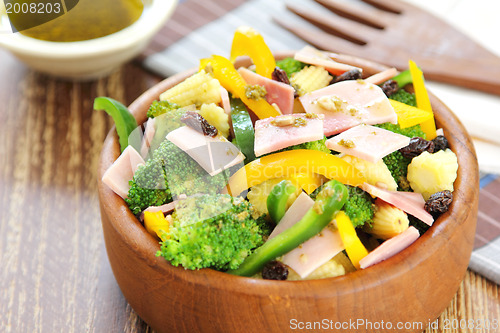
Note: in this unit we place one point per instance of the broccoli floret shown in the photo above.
(167, 118)
(395, 161)
(290, 65)
(398, 166)
(312, 145)
(404, 97)
(359, 207)
(215, 231)
(410, 132)
(160, 107)
(148, 187)
(167, 174)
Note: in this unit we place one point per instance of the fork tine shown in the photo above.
(386, 5)
(352, 12)
(318, 38)
(337, 26)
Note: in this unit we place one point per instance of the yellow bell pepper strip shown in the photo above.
(248, 42)
(423, 102)
(287, 163)
(308, 181)
(224, 71)
(278, 198)
(409, 115)
(329, 200)
(156, 224)
(353, 246)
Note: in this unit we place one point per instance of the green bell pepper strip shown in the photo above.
(403, 78)
(244, 133)
(328, 202)
(278, 198)
(124, 120)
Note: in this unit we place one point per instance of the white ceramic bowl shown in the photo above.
(90, 59)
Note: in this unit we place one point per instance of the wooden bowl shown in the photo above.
(411, 288)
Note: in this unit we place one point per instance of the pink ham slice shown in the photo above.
(119, 174)
(277, 92)
(390, 247)
(367, 142)
(166, 208)
(312, 56)
(269, 137)
(212, 154)
(149, 133)
(315, 251)
(382, 76)
(360, 103)
(226, 104)
(410, 202)
(293, 214)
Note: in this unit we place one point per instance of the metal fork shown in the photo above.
(391, 32)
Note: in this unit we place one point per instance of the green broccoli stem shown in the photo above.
(330, 200)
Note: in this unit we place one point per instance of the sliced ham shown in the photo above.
(410, 202)
(349, 103)
(226, 104)
(212, 154)
(312, 56)
(122, 171)
(390, 247)
(367, 142)
(383, 76)
(166, 208)
(278, 93)
(149, 133)
(272, 134)
(293, 214)
(314, 252)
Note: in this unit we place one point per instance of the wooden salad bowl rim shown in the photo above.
(435, 264)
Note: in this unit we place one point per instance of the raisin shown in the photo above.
(440, 143)
(390, 87)
(280, 76)
(198, 123)
(416, 147)
(439, 202)
(275, 270)
(353, 74)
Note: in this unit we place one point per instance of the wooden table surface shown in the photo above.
(54, 274)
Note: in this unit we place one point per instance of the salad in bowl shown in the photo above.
(293, 167)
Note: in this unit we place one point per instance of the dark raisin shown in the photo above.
(353, 74)
(440, 143)
(416, 147)
(198, 123)
(275, 270)
(390, 87)
(439, 202)
(280, 75)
